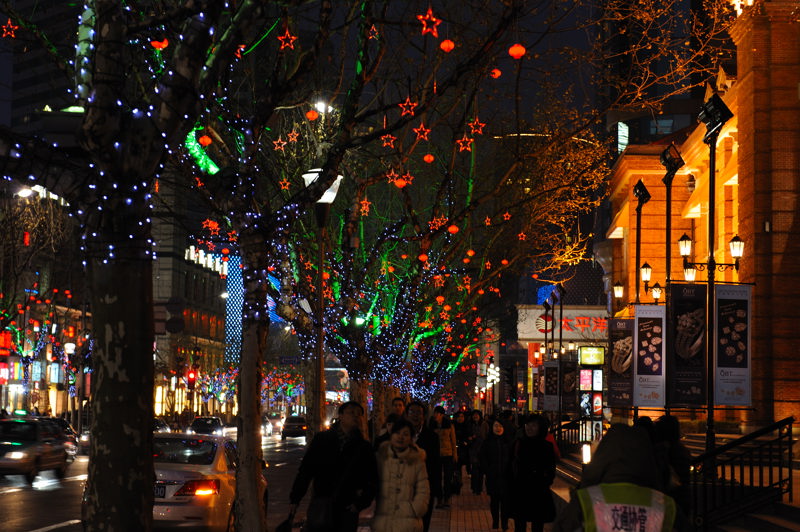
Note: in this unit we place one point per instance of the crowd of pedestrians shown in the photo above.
(416, 463)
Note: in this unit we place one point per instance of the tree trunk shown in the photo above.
(122, 407)
(250, 511)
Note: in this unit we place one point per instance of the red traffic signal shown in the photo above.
(191, 378)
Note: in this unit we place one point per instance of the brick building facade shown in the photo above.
(756, 197)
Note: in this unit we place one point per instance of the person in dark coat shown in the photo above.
(676, 469)
(533, 469)
(478, 432)
(495, 463)
(427, 440)
(343, 469)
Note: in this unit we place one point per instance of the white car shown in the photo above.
(195, 480)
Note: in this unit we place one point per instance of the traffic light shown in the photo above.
(191, 377)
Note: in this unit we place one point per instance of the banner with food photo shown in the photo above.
(620, 372)
(732, 340)
(686, 353)
(550, 401)
(649, 382)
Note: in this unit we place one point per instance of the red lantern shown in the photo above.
(447, 46)
(516, 51)
(159, 45)
(428, 158)
(204, 140)
(495, 73)
(453, 229)
(423, 257)
(400, 182)
(312, 115)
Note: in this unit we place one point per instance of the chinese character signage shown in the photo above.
(649, 382)
(620, 375)
(732, 341)
(686, 354)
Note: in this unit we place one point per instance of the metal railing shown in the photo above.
(741, 475)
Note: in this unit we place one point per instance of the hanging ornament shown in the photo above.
(204, 140)
(516, 51)
(429, 23)
(312, 114)
(365, 203)
(495, 73)
(10, 30)
(453, 229)
(423, 257)
(160, 45)
(447, 46)
(287, 40)
(428, 158)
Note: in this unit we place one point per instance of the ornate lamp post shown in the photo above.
(323, 208)
(714, 113)
(643, 196)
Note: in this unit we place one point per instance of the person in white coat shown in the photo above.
(404, 491)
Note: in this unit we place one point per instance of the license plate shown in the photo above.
(160, 491)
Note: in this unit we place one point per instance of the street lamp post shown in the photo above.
(714, 114)
(642, 196)
(323, 207)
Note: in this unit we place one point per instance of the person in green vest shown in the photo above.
(621, 489)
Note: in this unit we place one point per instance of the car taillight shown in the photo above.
(305, 427)
(199, 487)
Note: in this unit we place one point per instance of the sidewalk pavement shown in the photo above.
(467, 512)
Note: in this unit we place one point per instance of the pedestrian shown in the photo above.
(398, 406)
(404, 492)
(448, 452)
(676, 467)
(462, 429)
(622, 476)
(478, 432)
(427, 440)
(342, 467)
(533, 469)
(386, 430)
(495, 463)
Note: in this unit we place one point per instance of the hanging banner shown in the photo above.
(569, 387)
(550, 402)
(649, 382)
(732, 342)
(686, 360)
(620, 373)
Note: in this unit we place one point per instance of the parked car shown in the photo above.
(159, 425)
(207, 425)
(293, 427)
(195, 484)
(28, 446)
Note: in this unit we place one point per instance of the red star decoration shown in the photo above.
(9, 29)
(232, 236)
(365, 203)
(388, 141)
(464, 143)
(307, 265)
(239, 51)
(287, 40)
(391, 175)
(284, 183)
(279, 144)
(211, 225)
(198, 182)
(407, 107)
(488, 221)
(506, 216)
(488, 265)
(430, 23)
(408, 178)
(292, 136)
(373, 32)
(521, 236)
(476, 126)
(422, 132)
(437, 222)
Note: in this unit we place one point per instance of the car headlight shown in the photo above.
(16, 455)
(84, 437)
(218, 432)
